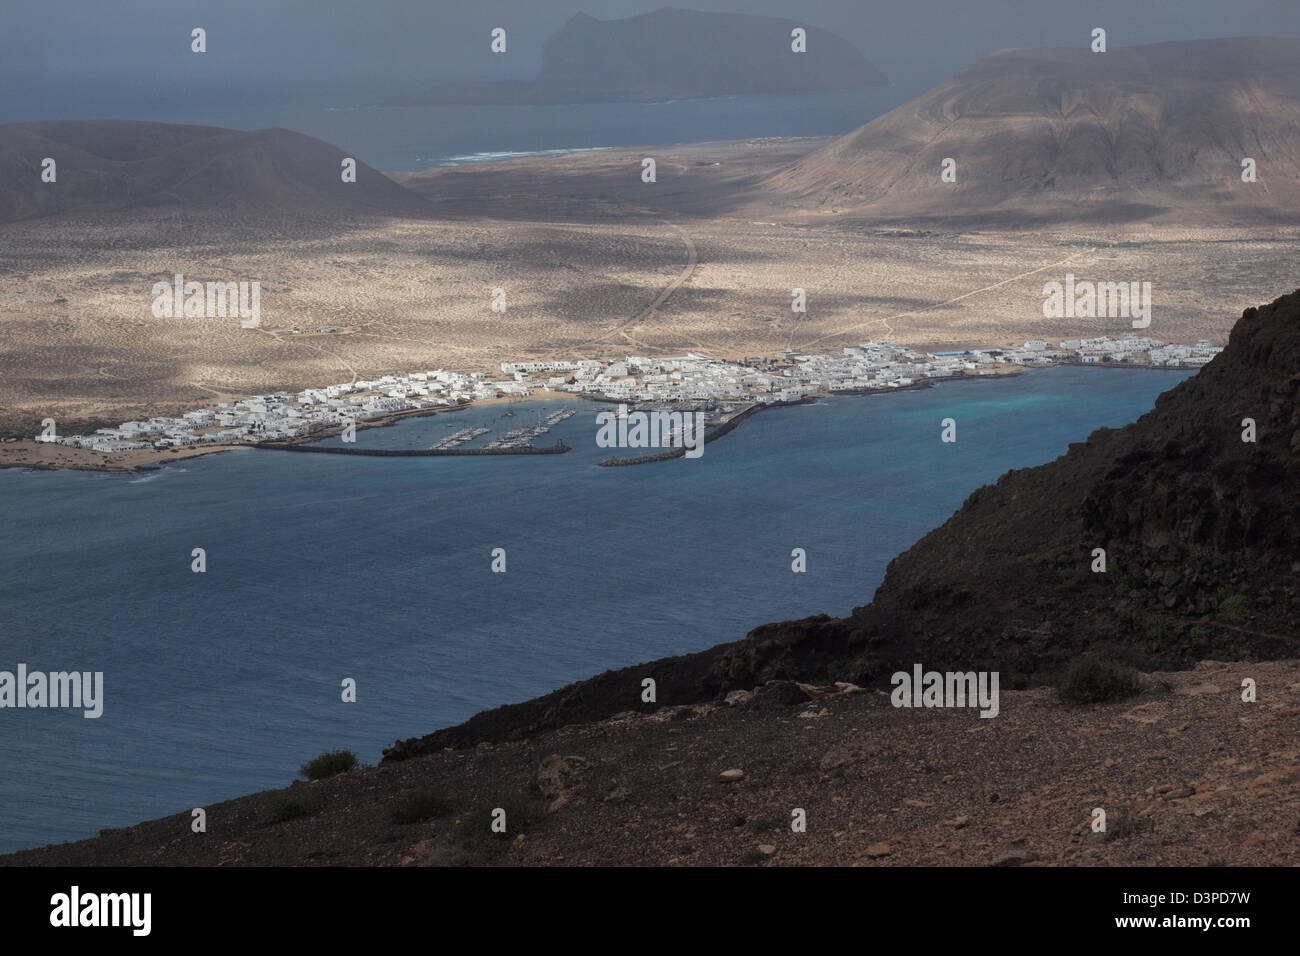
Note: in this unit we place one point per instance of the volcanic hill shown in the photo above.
(1148, 133)
(121, 165)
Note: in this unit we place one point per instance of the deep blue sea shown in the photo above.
(323, 567)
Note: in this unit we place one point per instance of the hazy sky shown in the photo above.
(75, 58)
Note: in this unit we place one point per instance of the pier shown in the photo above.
(717, 432)
(558, 448)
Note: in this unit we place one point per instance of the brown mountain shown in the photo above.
(1138, 133)
(113, 165)
(667, 55)
(1202, 538)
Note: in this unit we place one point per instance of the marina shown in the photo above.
(558, 448)
(523, 437)
(459, 438)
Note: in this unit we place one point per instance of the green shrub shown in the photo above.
(289, 804)
(1089, 680)
(327, 765)
(1123, 824)
(1234, 608)
(475, 828)
(421, 805)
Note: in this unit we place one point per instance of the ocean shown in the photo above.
(403, 139)
(322, 568)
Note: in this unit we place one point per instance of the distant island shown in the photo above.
(670, 54)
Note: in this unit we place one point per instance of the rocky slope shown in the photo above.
(1201, 532)
(667, 55)
(1202, 538)
(1143, 133)
(1187, 773)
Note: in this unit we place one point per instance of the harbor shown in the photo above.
(523, 436)
(693, 383)
(558, 448)
(459, 438)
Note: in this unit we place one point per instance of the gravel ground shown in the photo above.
(1187, 773)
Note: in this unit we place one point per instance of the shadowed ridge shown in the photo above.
(1201, 532)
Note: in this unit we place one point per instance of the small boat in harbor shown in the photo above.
(457, 438)
(556, 417)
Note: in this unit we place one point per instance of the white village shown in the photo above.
(693, 381)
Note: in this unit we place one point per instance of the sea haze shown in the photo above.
(325, 567)
(406, 139)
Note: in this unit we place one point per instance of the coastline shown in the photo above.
(67, 458)
(760, 448)
(558, 448)
(679, 451)
(146, 460)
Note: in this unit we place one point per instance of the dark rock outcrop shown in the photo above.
(1201, 533)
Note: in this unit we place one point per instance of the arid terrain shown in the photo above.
(1187, 773)
(634, 268)
(1068, 164)
(1157, 134)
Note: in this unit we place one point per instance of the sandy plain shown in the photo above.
(594, 264)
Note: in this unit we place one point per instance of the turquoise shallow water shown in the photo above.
(323, 567)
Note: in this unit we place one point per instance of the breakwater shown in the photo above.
(711, 436)
(558, 448)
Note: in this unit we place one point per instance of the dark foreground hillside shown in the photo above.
(1187, 773)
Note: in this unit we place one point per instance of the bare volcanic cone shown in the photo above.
(1154, 132)
(116, 165)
